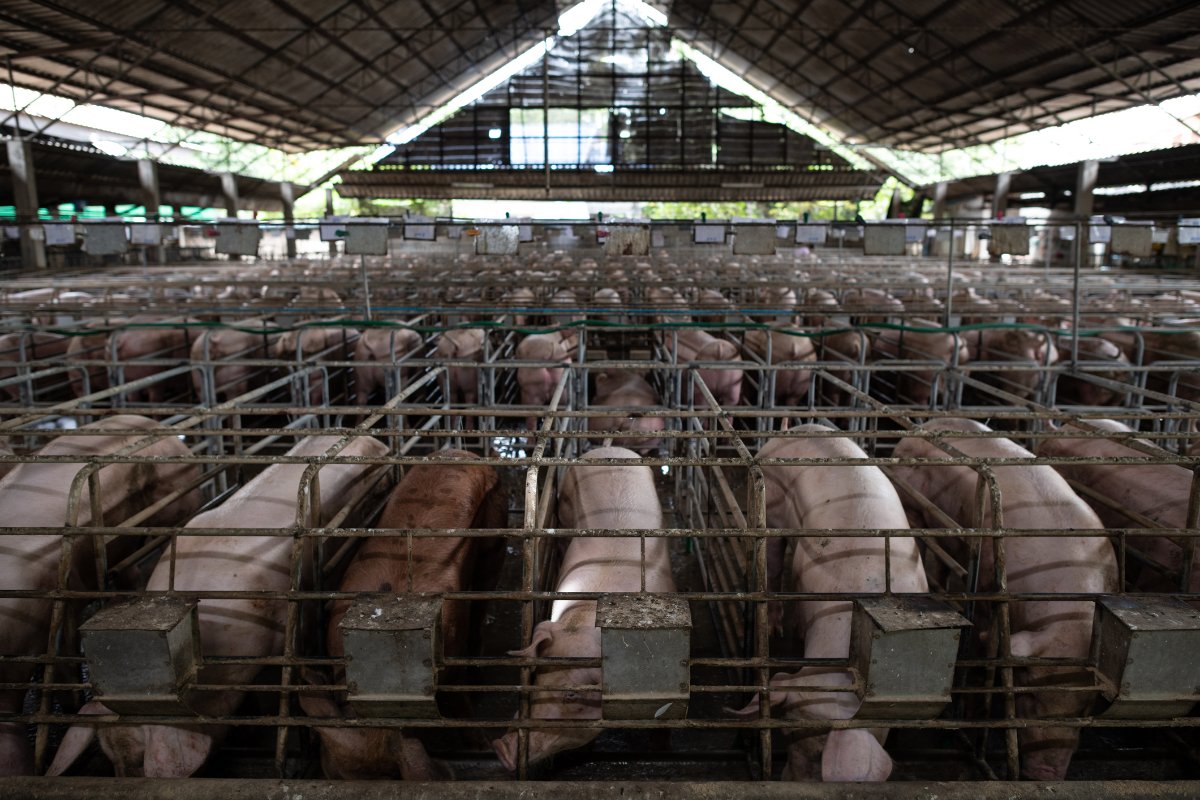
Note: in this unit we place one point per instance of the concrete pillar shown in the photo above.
(287, 193)
(1085, 184)
(151, 198)
(230, 192)
(329, 213)
(939, 199)
(33, 240)
(1000, 196)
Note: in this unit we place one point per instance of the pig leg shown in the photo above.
(776, 547)
(1046, 752)
(15, 756)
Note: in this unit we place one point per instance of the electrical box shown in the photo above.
(393, 644)
(142, 654)
(1148, 656)
(903, 649)
(645, 643)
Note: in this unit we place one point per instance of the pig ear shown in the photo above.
(542, 634)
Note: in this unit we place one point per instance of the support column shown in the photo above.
(939, 199)
(894, 205)
(287, 193)
(1000, 196)
(1085, 185)
(230, 193)
(151, 199)
(329, 213)
(33, 240)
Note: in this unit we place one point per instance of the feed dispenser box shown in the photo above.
(142, 654)
(645, 642)
(754, 237)
(238, 238)
(392, 645)
(497, 240)
(903, 649)
(884, 239)
(367, 237)
(1148, 656)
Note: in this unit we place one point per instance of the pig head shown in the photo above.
(627, 389)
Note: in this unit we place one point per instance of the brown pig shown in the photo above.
(429, 496)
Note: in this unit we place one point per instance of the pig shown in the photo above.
(842, 346)
(697, 345)
(916, 386)
(309, 344)
(1072, 389)
(781, 300)
(428, 496)
(788, 346)
(247, 628)
(1033, 496)
(714, 307)
(823, 497)
(90, 347)
(463, 344)
(878, 302)
(538, 383)
(129, 345)
(596, 496)
(17, 349)
(518, 299)
(375, 348)
(627, 389)
(609, 299)
(229, 344)
(1011, 344)
(1157, 491)
(820, 304)
(35, 495)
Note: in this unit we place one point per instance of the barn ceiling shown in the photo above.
(926, 75)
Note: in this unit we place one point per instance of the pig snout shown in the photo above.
(542, 745)
(506, 750)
